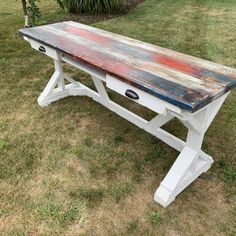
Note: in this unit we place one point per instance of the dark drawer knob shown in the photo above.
(131, 94)
(42, 49)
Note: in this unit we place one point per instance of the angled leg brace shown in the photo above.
(192, 161)
(56, 88)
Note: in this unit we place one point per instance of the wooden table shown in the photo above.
(169, 83)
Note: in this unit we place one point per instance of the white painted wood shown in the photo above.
(49, 51)
(145, 99)
(214, 108)
(51, 93)
(191, 162)
(159, 121)
(100, 88)
(58, 94)
(167, 190)
(181, 175)
(86, 68)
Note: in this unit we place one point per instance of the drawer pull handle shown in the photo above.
(131, 94)
(42, 49)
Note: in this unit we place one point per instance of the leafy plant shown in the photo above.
(63, 216)
(155, 217)
(92, 6)
(33, 11)
(2, 144)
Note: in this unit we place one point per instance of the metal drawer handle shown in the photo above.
(131, 94)
(42, 49)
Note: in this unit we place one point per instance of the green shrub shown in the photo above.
(92, 6)
(33, 11)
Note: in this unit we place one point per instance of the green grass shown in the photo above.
(75, 168)
(155, 217)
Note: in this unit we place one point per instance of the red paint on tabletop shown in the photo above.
(172, 63)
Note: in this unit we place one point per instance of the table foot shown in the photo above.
(188, 167)
(57, 94)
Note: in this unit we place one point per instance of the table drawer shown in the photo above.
(136, 95)
(43, 48)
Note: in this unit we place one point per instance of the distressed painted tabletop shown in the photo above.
(185, 81)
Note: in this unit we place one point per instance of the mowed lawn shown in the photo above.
(75, 168)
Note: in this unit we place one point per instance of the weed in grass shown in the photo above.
(123, 156)
(155, 217)
(3, 127)
(63, 216)
(118, 140)
(88, 142)
(228, 171)
(103, 150)
(230, 174)
(132, 226)
(3, 144)
(119, 190)
(70, 215)
(138, 168)
(4, 212)
(49, 211)
(93, 170)
(79, 152)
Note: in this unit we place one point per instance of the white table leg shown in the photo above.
(192, 161)
(56, 88)
(188, 166)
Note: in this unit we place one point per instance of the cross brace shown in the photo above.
(190, 163)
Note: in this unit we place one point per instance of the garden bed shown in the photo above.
(92, 18)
